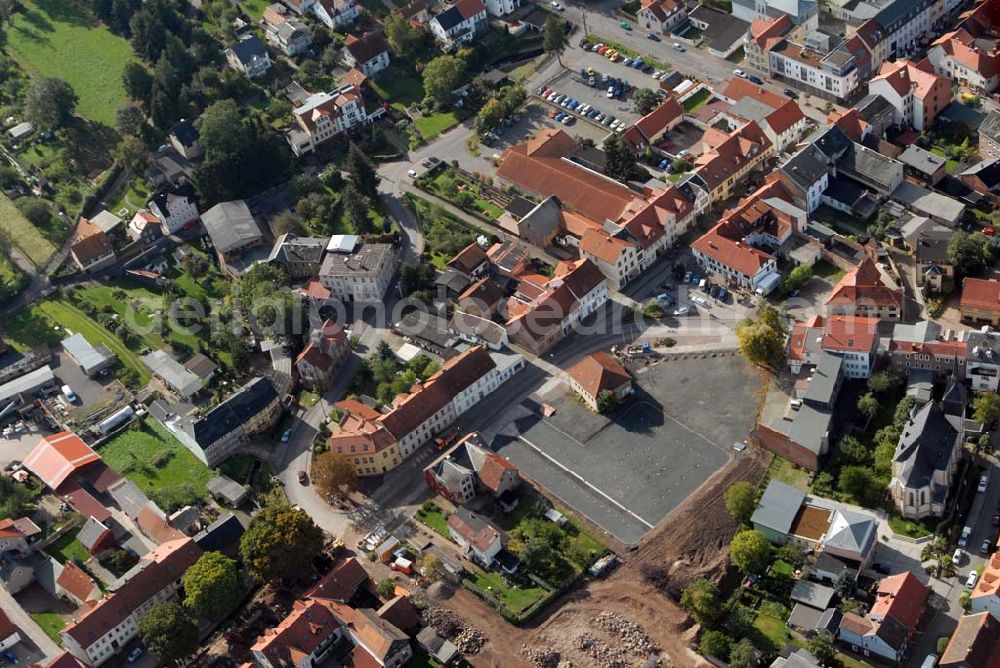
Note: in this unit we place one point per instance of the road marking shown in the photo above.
(584, 481)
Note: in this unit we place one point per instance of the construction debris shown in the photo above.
(632, 636)
(544, 658)
(603, 654)
(468, 639)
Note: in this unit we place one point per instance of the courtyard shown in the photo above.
(627, 472)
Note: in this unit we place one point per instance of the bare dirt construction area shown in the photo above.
(690, 543)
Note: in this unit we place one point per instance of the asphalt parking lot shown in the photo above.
(627, 473)
(572, 84)
(534, 118)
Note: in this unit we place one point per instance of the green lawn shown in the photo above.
(51, 623)
(435, 518)
(449, 185)
(515, 599)
(23, 234)
(773, 630)
(629, 52)
(949, 166)
(158, 464)
(399, 89)
(432, 125)
(696, 100)
(827, 270)
(68, 548)
(59, 38)
(48, 322)
(238, 467)
(840, 222)
(907, 528)
(445, 235)
(132, 198)
(782, 569)
(784, 471)
(12, 279)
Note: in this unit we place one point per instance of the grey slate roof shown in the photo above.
(929, 203)
(983, 347)
(954, 400)
(925, 446)
(874, 106)
(824, 379)
(230, 225)
(810, 427)
(812, 594)
(247, 402)
(778, 507)
(923, 161)
(290, 248)
(832, 141)
(246, 50)
(222, 486)
(805, 167)
(185, 132)
(91, 530)
(851, 532)
(991, 126)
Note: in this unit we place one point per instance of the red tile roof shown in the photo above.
(980, 293)
(538, 166)
(155, 525)
(974, 644)
(470, 8)
(83, 501)
(901, 597)
(366, 47)
(904, 75)
(7, 628)
(468, 259)
(864, 285)
(973, 42)
(762, 30)
(160, 567)
(850, 122)
(474, 529)
(342, 582)
(659, 119)
(600, 244)
(491, 473)
(91, 242)
(850, 334)
(400, 612)
(746, 145)
(64, 660)
(299, 634)
(74, 580)
(58, 456)
(598, 372)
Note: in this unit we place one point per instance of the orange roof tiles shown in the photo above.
(598, 372)
(539, 166)
(659, 119)
(864, 285)
(491, 473)
(74, 580)
(980, 293)
(850, 334)
(468, 259)
(974, 644)
(901, 597)
(600, 244)
(850, 122)
(989, 581)
(91, 242)
(761, 30)
(58, 456)
(904, 75)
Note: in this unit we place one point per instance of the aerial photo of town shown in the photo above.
(499, 333)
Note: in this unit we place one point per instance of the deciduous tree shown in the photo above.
(169, 632)
(386, 588)
(859, 482)
(702, 601)
(645, 101)
(334, 474)
(967, 252)
(881, 382)
(212, 585)
(131, 153)
(489, 116)
(986, 409)
(402, 36)
(49, 103)
(443, 75)
(868, 405)
(714, 643)
(750, 552)
(824, 651)
(741, 499)
(743, 655)
(280, 542)
(555, 39)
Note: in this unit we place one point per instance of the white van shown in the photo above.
(69, 394)
(700, 301)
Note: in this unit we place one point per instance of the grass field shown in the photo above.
(156, 462)
(51, 623)
(47, 322)
(68, 548)
(12, 279)
(435, 518)
(696, 100)
(431, 126)
(399, 89)
(23, 234)
(515, 599)
(57, 38)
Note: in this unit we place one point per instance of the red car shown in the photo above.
(303, 478)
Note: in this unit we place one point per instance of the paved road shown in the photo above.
(23, 621)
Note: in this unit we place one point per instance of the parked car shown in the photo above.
(611, 91)
(625, 25)
(740, 446)
(134, 655)
(984, 549)
(604, 565)
(963, 540)
(556, 6)
(740, 73)
(971, 581)
(681, 310)
(701, 301)
(584, 43)
(755, 79)
(791, 93)
(984, 481)
(958, 556)
(286, 435)
(677, 47)
(69, 394)
(929, 661)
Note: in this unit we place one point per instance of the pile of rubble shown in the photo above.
(468, 639)
(632, 636)
(603, 654)
(544, 658)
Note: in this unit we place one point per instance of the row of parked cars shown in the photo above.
(615, 56)
(572, 106)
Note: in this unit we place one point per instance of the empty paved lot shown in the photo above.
(628, 473)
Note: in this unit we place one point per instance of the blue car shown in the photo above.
(561, 115)
(286, 435)
(695, 279)
(638, 64)
(663, 163)
(573, 105)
